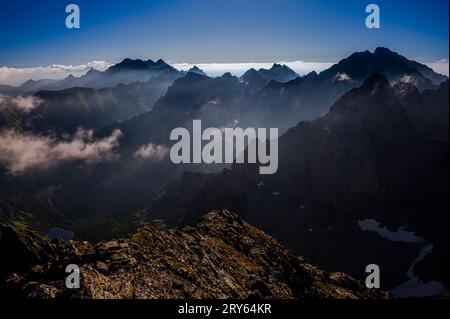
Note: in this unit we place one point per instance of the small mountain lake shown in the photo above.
(60, 233)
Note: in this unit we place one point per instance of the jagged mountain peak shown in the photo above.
(311, 74)
(227, 75)
(277, 66)
(278, 72)
(251, 73)
(93, 71)
(189, 77)
(383, 50)
(129, 64)
(161, 62)
(374, 93)
(280, 66)
(361, 65)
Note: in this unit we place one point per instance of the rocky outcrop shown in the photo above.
(222, 257)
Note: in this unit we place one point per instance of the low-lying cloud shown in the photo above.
(151, 151)
(16, 76)
(20, 152)
(22, 103)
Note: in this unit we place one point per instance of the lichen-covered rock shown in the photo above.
(222, 257)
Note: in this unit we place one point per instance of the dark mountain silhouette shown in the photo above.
(140, 65)
(131, 65)
(278, 72)
(196, 70)
(311, 95)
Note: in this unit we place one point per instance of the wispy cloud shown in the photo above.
(20, 152)
(16, 76)
(24, 104)
(151, 151)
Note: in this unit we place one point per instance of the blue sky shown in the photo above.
(194, 31)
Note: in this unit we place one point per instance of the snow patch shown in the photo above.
(400, 235)
(342, 77)
(415, 287)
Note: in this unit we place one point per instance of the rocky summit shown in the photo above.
(222, 257)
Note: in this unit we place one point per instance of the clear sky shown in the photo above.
(33, 32)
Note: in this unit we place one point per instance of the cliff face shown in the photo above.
(222, 257)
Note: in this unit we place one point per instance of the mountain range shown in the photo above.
(362, 179)
(367, 158)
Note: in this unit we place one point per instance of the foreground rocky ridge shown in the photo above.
(222, 257)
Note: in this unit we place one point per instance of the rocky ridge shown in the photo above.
(222, 257)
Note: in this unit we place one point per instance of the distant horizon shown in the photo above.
(16, 76)
(221, 35)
